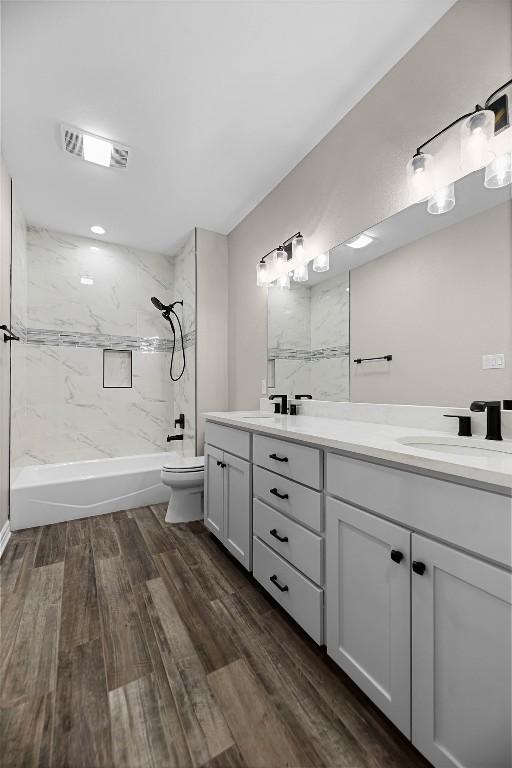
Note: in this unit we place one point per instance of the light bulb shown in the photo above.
(443, 200)
(477, 140)
(420, 176)
(283, 281)
(262, 274)
(499, 172)
(300, 274)
(321, 262)
(298, 252)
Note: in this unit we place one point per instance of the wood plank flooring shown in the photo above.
(129, 643)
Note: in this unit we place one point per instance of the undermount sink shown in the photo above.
(462, 446)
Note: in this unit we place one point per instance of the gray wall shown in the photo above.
(437, 305)
(212, 326)
(355, 176)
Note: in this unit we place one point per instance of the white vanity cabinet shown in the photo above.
(228, 491)
(427, 638)
(461, 659)
(368, 606)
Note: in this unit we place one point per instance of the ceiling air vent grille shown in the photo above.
(72, 143)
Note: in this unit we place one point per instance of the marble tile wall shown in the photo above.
(62, 412)
(308, 338)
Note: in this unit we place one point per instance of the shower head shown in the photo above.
(158, 304)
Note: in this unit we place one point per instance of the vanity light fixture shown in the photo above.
(98, 230)
(278, 264)
(301, 274)
(321, 262)
(360, 241)
(476, 151)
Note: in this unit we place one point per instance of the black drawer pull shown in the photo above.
(275, 534)
(275, 492)
(221, 464)
(396, 556)
(277, 458)
(419, 567)
(274, 580)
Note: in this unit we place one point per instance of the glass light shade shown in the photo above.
(443, 200)
(420, 169)
(321, 262)
(301, 274)
(283, 281)
(298, 251)
(477, 140)
(281, 260)
(499, 172)
(262, 274)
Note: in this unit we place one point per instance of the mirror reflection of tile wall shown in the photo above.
(308, 339)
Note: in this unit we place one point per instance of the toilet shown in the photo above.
(185, 477)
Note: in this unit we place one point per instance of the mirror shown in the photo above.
(423, 301)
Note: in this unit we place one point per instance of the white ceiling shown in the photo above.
(218, 101)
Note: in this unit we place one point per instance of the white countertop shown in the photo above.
(380, 441)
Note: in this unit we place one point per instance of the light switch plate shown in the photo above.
(493, 361)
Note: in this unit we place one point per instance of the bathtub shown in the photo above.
(53, 493)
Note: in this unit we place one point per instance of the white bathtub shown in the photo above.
(52, 493)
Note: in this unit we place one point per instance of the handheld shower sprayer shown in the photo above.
(167, 310)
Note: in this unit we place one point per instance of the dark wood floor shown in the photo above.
(127, 642)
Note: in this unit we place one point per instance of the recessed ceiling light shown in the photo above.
(97, 150)
(361, 241)
(97, 229)
(94, 247)
(86, 280)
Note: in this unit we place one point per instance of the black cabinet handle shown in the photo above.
(277, 458)
(396, 556)
(274, 580)
(275, 492)
(221, 464)
(419, 567)
(275, 534)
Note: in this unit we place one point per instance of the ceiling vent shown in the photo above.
(72, 142)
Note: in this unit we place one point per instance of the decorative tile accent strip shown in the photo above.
(322, 353)
(54, 338)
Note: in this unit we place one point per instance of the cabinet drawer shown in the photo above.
(303, 504)
(236, 441)
(298, 462)
(302, 549)
(470, 518)
(302, 599)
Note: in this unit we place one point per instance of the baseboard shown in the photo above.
(5, 535)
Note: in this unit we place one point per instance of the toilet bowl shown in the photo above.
(185, 478)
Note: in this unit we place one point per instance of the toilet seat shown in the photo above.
(185, 465)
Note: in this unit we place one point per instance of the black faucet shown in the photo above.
(284, 402)
(493, 408)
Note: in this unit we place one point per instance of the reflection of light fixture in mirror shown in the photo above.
(86, 280)
(283, 281)
(360, 241)
(476, 140)
(97, 150)
(499, 172)
(298, 252)
(94, 247)
(321, 262)
(98, 230)
(442, 200)
(262, 274)
(300, 274)
(420, 176)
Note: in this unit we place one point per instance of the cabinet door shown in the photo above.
(461, 659)
(214, 491)
(238, 509)
(368, 606)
